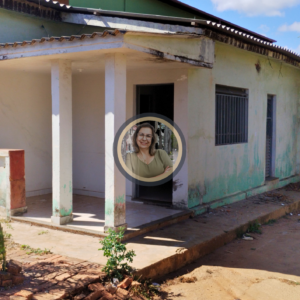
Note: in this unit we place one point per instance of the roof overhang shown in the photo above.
(192, 49)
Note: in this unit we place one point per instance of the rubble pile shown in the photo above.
(293, 187)
(272, 197)
(13, 274)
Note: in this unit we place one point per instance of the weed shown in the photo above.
(7, 222)
(254, 228)
(7, 235)
(253, 249)
(2, 250)
(188, 279)
(270, 222)
(146, 288)
(117, 254)
(43, 232)
(35, 251)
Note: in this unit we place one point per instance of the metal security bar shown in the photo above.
(231, 118)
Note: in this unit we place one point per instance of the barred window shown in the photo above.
(231, 115)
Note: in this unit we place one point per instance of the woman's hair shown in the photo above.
(135, 135)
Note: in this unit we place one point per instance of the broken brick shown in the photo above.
(106, 296)
(13, 297)
(14, 267)
(111, 288)
(18, 279)
(121, 294)
(95, 295)
(25, 294)
(96, 286)
(63, 276)
(6, 283)
(135, 283)
(125, 283)
(5, 276)
(80, 297)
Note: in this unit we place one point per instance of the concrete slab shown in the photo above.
(168, 249)
(88, 216)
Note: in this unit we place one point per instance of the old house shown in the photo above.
(71, 76)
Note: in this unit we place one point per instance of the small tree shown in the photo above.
(2, 249)
(118, 256)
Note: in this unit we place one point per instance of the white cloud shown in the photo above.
(255, 7)
(264, 28)
(293, 27)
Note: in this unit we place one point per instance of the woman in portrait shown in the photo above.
(146, 161)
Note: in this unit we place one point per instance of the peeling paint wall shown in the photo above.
(196, 48)
(219, 171)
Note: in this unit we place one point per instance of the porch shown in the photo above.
(89, 215)
(90, 81)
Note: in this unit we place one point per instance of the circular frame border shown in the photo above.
(120, 165)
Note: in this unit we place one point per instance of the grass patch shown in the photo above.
(37, 251)
(270, 222)
(43, 232)
(254, 228)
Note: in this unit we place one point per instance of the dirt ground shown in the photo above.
(266, 268)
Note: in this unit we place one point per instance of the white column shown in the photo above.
(62, 183)
(115, 116)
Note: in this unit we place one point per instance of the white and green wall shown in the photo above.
(224, 174)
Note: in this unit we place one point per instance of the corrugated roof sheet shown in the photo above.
(62, 38)
(68, 8)
(250, 38)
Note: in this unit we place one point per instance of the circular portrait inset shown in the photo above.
(149, 149)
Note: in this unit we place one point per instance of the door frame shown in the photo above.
(136, 108)
(273, 145)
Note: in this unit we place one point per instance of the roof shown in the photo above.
(237, 36)
(206, 16)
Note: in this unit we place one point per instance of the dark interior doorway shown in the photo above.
(157, 99)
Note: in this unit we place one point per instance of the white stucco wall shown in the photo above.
(25, 123)
(88, 125)
(210, 172)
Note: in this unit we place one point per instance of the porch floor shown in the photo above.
(88, 212)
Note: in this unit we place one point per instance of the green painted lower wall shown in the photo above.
(136, 6)
(16, 27)
(244, 195)
(219, 172)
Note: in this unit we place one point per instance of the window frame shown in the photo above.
(237, 104)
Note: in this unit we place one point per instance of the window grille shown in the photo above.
(231, 115)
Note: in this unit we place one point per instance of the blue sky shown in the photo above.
(276, 19)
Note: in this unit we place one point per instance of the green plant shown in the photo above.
(117, 254)
(254, 228)
(2, 249)
(43, 232)
(7, 235)
(270, 222)
(36, 251)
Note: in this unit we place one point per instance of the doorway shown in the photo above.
(270, 137)
(159, 99)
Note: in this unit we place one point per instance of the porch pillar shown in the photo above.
(62, 183)
(115, 116)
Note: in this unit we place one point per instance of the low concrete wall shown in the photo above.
(12, 183)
